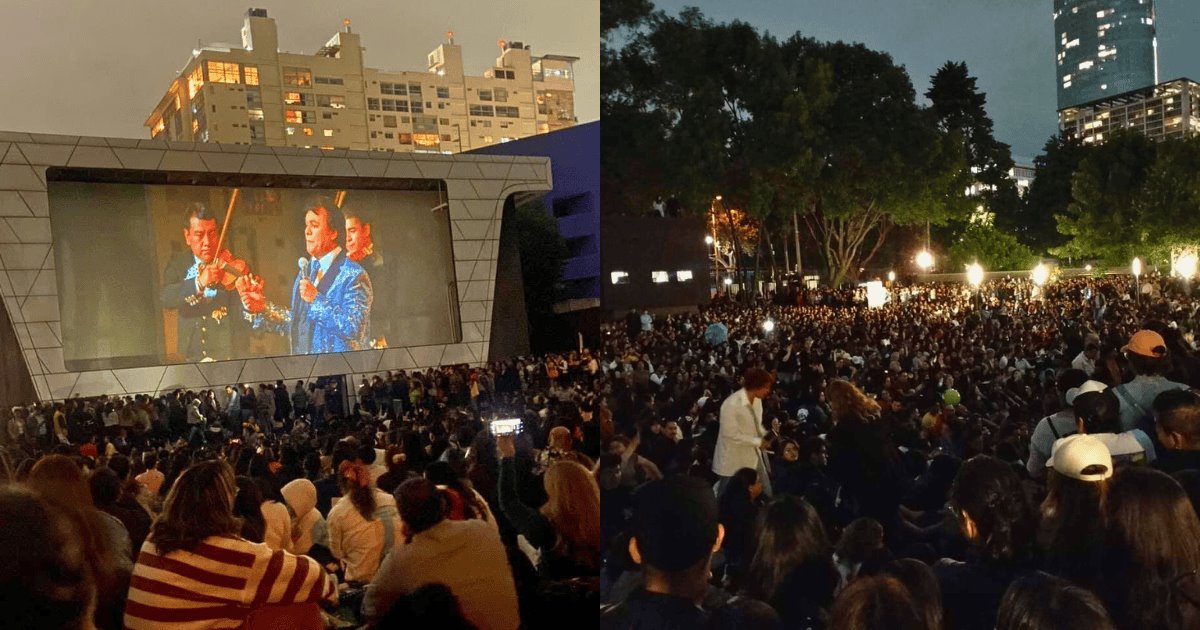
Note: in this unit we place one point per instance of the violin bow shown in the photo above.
(225, 225)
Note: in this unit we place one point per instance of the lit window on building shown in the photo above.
(328, 133)
(308, 131)
(335, 101)
(251, 74)
(404, 138)
(291, 131)
(224, 72)
(1084, 65)
(426, 139)
(254, 114)
(683, 275)
(619, 277)
(660, 277)
(1073, 43)
(195, 81)
(297, 76)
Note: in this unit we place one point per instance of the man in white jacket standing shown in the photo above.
(741, 440)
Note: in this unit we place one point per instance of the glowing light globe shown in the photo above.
(951, 397)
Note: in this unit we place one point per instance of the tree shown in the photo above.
(1049, 195)
(991, 247)
(1169, 203)
(886, 162)
(1105, 219)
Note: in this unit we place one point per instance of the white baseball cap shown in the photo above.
(1087, 387)
(1081, 456)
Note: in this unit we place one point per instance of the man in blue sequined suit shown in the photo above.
(331, 297)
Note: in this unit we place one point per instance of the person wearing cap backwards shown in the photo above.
(1147, 354)
(673, 535)
(1071, 534)
(1098, 413)
(1054, 426)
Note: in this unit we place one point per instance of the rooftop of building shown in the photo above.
(1125, 98)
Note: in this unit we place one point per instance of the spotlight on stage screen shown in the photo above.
(924, 260)
(769, 326)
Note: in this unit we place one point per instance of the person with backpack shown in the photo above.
(1148, 356)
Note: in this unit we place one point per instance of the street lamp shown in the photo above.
(891, 276)
(1136, 267)
(975, 274)
(708, 239)
(1040, 274)
(924, 260)
(1185, 265)
(728, 281)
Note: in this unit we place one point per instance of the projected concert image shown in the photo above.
(211, 273)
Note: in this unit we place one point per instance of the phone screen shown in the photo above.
(506, 426)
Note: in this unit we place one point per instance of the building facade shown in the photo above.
(258, 95)
(1168, 110)
(574, 203)
(1104, 47)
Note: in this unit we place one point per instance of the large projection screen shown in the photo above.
(132, 249)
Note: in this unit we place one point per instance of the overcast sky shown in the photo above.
(1007, 44)
(98, 67)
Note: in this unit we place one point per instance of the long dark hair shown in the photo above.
(990, 493)
(443, 474)
(790, 537)
(354, 480)
(879, 602)
(248, 507)
(1152, 552)
(199, 505)
(1073, 526)
(1040, 601)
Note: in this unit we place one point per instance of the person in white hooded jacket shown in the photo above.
(310, 533)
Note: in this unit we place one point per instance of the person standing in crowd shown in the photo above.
(743, 436)
(1040, 601)
(1148, 356)
(793, 567)
(331, 297)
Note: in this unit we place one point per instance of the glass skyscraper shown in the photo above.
(1105, 47)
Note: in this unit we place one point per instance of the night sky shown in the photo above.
(98, 68)
(1007, 44)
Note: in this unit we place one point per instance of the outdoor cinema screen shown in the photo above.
(160, 267)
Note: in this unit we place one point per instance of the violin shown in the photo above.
(232, 267)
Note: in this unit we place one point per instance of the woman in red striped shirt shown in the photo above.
(194, 571)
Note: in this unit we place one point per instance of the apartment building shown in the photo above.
(330, 99)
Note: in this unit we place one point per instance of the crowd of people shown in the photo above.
(1006, 457)
(1011, 456)
(265, 507)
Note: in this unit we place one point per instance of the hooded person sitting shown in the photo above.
(310, 534)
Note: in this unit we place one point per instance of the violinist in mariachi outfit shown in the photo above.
(199, 286)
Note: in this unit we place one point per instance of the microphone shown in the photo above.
(302, 263)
